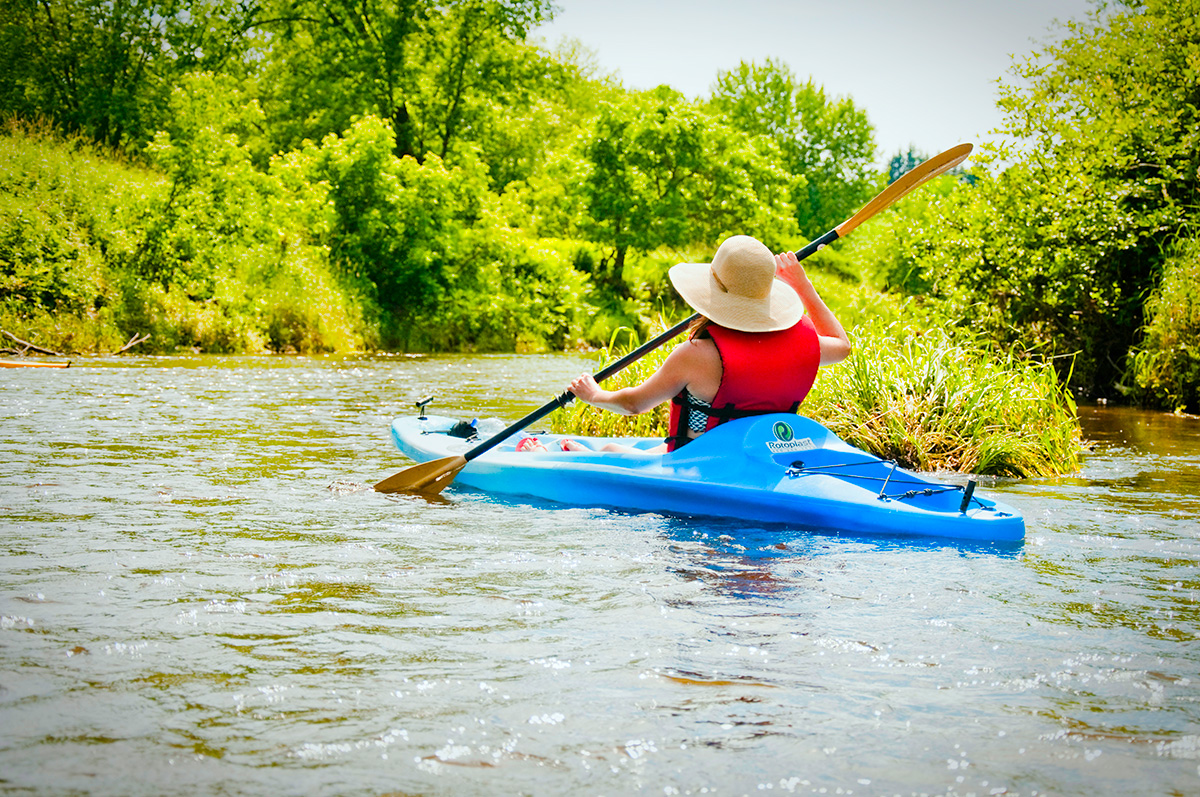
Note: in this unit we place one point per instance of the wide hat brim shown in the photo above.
(696, 283)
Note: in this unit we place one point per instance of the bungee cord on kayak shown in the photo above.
(798, 469)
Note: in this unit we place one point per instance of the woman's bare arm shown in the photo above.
(688, 362)
(835, 344)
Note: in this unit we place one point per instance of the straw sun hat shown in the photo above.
(738, 289)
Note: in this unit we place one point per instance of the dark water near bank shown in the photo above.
(195, 599)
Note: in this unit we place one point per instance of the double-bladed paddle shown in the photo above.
(430, 478)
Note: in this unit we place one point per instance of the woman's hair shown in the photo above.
(698, 327)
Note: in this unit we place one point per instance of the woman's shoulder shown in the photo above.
(697, 355)
(698, 348)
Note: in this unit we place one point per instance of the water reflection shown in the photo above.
(1164, 434)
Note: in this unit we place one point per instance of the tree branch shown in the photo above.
(135, 340)
(28, 346)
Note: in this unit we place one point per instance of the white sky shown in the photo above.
(924, 71)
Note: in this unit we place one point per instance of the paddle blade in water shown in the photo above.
(428, 478)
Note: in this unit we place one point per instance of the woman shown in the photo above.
(754, 351)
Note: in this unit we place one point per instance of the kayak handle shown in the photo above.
(968, 491)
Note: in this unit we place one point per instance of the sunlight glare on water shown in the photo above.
(199, 596)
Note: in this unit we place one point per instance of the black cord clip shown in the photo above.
(967, 493)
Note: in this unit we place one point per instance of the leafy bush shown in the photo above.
(63, 209)
(229, 249)
(1166, 364)
(213, 254)
(510, 293)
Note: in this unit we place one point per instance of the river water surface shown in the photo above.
(197, 597)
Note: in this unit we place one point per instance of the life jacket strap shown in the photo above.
(679, 436)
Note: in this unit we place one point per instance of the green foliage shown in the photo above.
(395, 223)
(484, 239)
(106, 69)
(893, 247)
(223, 265)
(664, 174)
(427, 246)
(58, 205)
(509, 226)
(1166, 366)
(1059, 250)
(93, 252)
(438, 73)
(540, 307)
(827, 144)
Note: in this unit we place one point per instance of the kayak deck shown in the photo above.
(777, 468)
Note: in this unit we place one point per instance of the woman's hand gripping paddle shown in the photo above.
(430, 478)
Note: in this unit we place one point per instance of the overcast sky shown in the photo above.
(924, 71)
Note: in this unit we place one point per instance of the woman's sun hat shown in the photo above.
(738, 289)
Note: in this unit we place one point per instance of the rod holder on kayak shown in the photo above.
(883, 489)
(968, 491)
(421, 407)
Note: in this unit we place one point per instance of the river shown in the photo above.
(198, 597)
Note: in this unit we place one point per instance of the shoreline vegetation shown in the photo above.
(273, 179)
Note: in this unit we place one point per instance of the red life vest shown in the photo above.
(761, 372)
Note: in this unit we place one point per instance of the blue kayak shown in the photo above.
(777, 468)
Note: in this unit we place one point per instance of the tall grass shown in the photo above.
(927, 400)
(932, 402)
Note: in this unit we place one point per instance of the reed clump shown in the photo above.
(934, 402)
(926, 399)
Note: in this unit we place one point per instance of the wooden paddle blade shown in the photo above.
(907, 183)
(428, 478)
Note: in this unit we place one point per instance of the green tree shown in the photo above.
(225, 258)
(663, 173)
(1059, 248)
(828, 141)
(426, 67)
(1109, 142)
(395, 224)
(105, 68)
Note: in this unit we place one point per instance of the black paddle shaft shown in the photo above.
(820, 243)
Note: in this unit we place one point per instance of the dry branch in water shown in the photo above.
(30, 346)
(135, 340)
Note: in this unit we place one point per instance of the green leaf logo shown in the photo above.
(783, 431)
